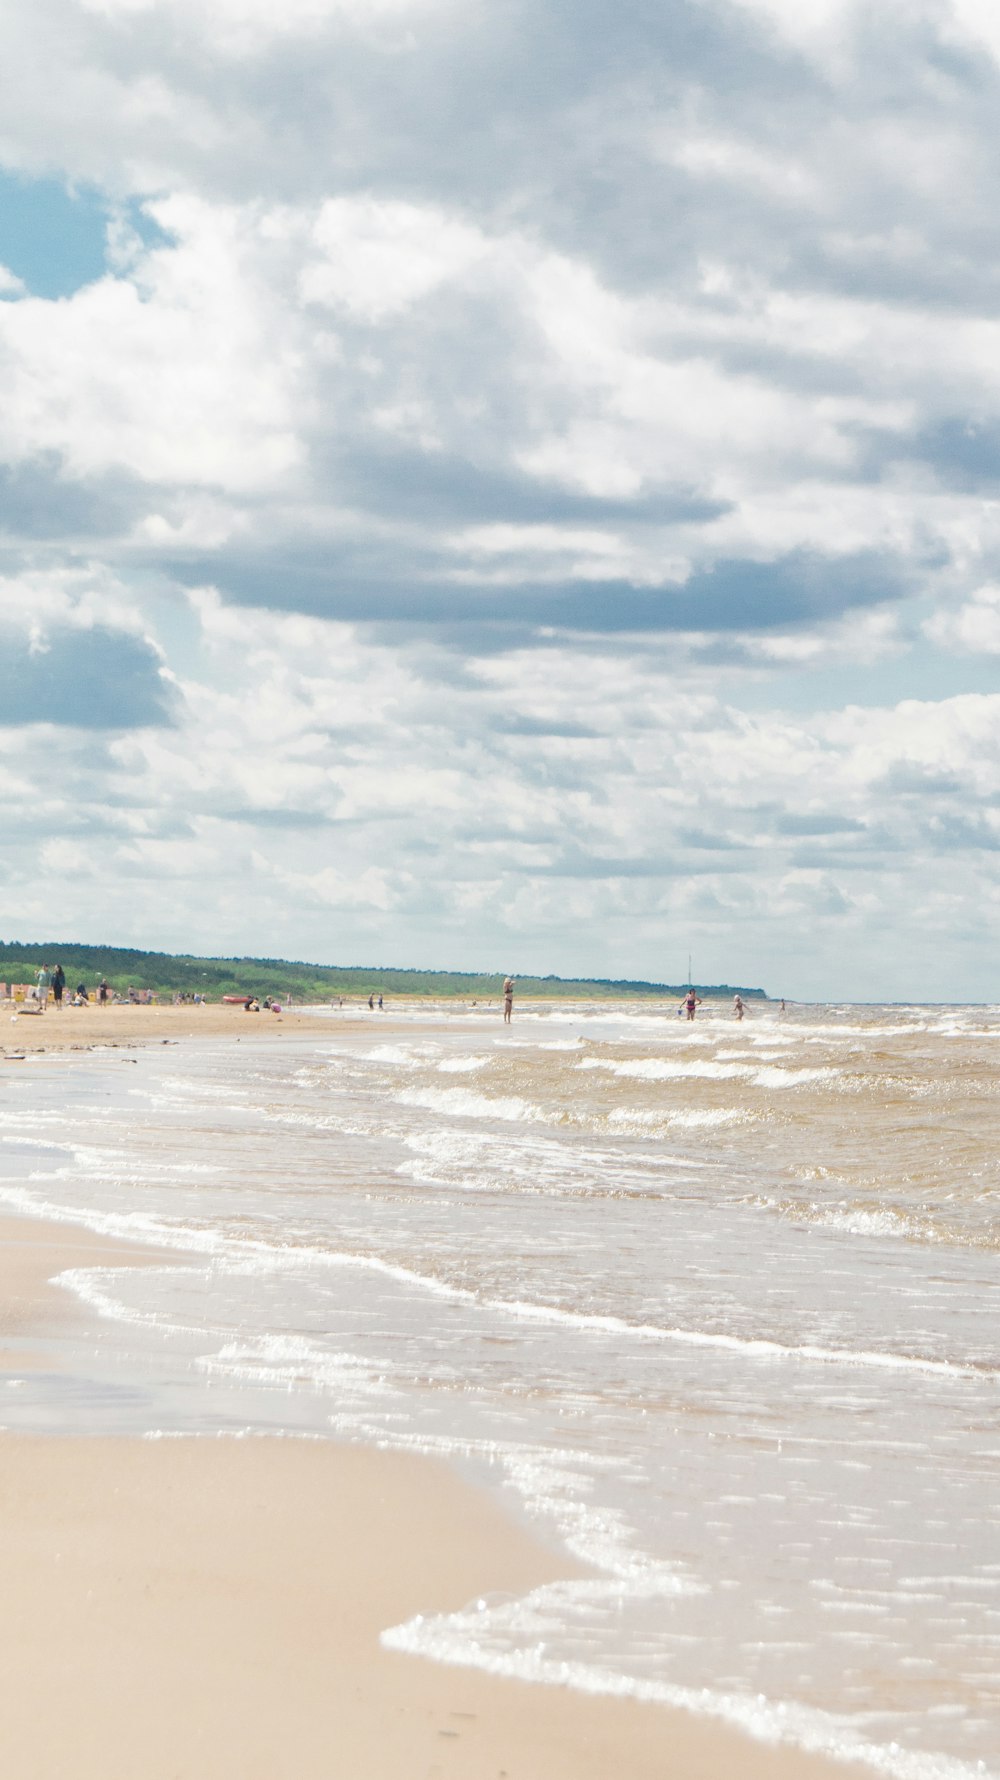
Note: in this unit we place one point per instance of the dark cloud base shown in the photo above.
(736, 596)
(447, 489)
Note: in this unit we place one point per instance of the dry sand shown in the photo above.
(93, 1027)
(83, 1028)
(186, 1609)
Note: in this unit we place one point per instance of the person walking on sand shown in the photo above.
(508, 999)
(58, 985)
(738, 1009)
(691, 1001)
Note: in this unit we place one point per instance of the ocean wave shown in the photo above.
(686, 1119)
(400, 1056)
(256, 1256)
(655, 1069)
(774, 1075)
(761, 1075)
(867, 1221)
(460, 1103)
(693, 1120)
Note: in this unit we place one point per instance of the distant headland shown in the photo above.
(169, 974)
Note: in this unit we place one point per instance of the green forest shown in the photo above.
(214, 977)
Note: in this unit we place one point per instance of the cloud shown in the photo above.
(311, 759)
(973, 627)
(469, 430)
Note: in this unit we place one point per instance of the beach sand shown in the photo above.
(211, 1609)
(83, 1028)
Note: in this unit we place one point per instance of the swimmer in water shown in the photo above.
(691, 1001)
(738, 1009)
(508, 999)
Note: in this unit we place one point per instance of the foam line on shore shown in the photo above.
(451, 1638)
(246, 1258)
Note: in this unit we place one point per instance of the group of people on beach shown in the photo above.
(53, 982)
(47, 980)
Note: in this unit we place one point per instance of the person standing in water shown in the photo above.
(508, 999)
(691, 1001)
(738, 1009)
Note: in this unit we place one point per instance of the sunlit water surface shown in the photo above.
(715, 1305)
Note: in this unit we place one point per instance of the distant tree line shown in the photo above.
(214, 977)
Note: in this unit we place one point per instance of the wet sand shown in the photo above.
(212, 1608)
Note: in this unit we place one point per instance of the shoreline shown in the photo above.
(122, 1024)
(213, 1606)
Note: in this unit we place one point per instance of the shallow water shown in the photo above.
(714, 1305)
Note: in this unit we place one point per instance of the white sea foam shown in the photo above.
(655, 1069)
(720, 1115)
(633, 1118)
(480, 1639)
(459, 1103)
(93, 1286)
(747, 1347)
(399, 1056)
(878, 1221)
(775, 1076)
(462, 1065)
(296, 1363)
(259, 1256)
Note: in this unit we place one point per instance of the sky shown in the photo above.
(505, 486)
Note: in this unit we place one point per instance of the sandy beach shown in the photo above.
(82, 1028)
(211, 1608)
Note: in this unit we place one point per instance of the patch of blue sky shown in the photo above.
(176, 626)
(54, 237)
(921, 671)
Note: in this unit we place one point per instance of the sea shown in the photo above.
(711, 1306)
